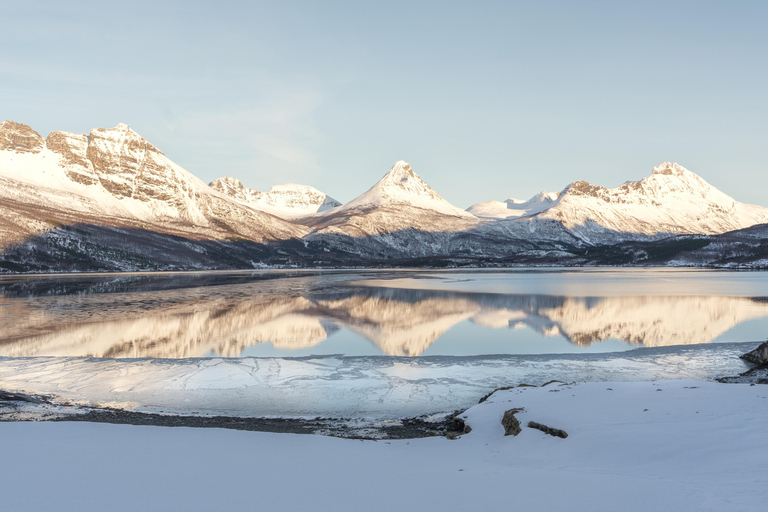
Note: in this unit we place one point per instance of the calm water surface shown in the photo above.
(367, 313)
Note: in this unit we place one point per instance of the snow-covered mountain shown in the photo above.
(401, 216)
(113, 178)
(289, 201)
(401, 186)
(514, 208)
(111, 200)
(671, 201)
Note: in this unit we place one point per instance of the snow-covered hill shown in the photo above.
(514, 208)
(289, 201)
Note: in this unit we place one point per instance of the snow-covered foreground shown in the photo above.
(666, 445)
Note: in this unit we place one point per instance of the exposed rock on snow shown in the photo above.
(19, 138)
(555, 432)
(510, 423)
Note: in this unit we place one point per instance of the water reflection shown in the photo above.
(172, 320)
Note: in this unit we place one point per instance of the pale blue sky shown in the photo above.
(486, 100)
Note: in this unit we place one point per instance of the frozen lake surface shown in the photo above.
(367, 344)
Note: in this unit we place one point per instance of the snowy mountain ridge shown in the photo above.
(114, 177)
(514, 208)
(289, 201)
(672, 200)
(73, 197)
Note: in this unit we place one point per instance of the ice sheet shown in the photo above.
(350, 387)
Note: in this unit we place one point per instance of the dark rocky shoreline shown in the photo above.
(12, 409)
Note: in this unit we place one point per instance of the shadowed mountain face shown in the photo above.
(131, 318)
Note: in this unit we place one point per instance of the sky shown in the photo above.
(486, 100)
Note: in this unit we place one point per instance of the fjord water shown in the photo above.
(365, 343)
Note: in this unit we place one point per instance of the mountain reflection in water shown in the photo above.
(225, 320)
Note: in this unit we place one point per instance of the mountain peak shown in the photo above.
(401, 182)
(19, 138)
(402, 186)
(670, 169)
(401, 172)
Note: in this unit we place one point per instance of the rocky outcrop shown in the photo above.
(129, 166)
(556, 432)
(19, 138)
(510, 423)
(758, 356)
(73, 149)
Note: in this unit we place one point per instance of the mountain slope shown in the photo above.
(113, 179)
(288, 201)
(401, 186)
(672, 200)
(110, 200)
(401, 216)
(399, 201)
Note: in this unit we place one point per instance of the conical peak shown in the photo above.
(402, 186)
(401, 171)
(401, 179)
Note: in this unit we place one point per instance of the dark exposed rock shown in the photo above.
(19, 138)
(759, 355)
(510, 423)
(456, 426)
(548, 430)
(523, 385)
(756, 375)
(6, 396)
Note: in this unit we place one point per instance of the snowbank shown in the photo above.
(670, 445)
